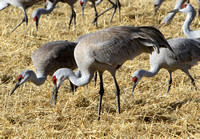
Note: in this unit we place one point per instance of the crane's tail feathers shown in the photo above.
(154, 35)
(150, 43)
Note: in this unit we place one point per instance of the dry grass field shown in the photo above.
(149, 113)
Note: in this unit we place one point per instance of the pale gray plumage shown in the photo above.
(50, 7)
(170, 16)
(22, 4)
(186, 54)
(108, 49)
(46, 60)
(191, 13)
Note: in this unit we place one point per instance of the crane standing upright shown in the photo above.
(191, 13)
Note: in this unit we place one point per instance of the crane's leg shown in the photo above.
(170, 81)
(96, 13)
(192, 80)
(117, 92)
(119, 9)
(72, 87)
(73, 15)
(117, 4)
(95, 78)
(101, 92)
(113, 5)
(25, 19)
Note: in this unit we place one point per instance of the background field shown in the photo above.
(149, 113)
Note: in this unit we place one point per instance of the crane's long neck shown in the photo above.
(84, 79)
(150, 73)
(80, 81)
(37, 80)
(188, 21)
(49, 9)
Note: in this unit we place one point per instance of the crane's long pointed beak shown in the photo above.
(16, 86)
(134, 85)
(174, 11)
(54, 96)
(82, 9)
(36, 24)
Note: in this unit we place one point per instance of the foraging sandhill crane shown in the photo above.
(191, 13)
(47, 59)
(94, 2)
(108, 49)
(50, 6)
(114, 6)
(186, 53)
(170, 16)
(22, 4)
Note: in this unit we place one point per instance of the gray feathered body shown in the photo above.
(109, 48)
(54, 55)
(186, 54)
(18, 3)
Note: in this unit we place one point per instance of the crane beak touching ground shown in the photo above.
(54, 96)
(16, 86)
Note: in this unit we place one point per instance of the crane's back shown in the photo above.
(54, 55)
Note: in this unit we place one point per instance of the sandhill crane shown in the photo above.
(114, 5)
(108, 49)
(94, 2)
(50, 6)
(191, 13)
(186, 53)
(22, 4)
(170, 16)
(47, 59)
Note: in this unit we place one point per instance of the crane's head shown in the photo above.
(136, 77)
(36, 16)
(58, 78)
(23, 77)
(185, 8)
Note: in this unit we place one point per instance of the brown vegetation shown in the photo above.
(149, 113)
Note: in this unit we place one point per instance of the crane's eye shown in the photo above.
(134, 79)
(54, 80)
(20, 77)
(183, 6)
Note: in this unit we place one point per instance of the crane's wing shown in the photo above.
(186, 50)
(155, 36)
(54, 55)
(126, 43)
